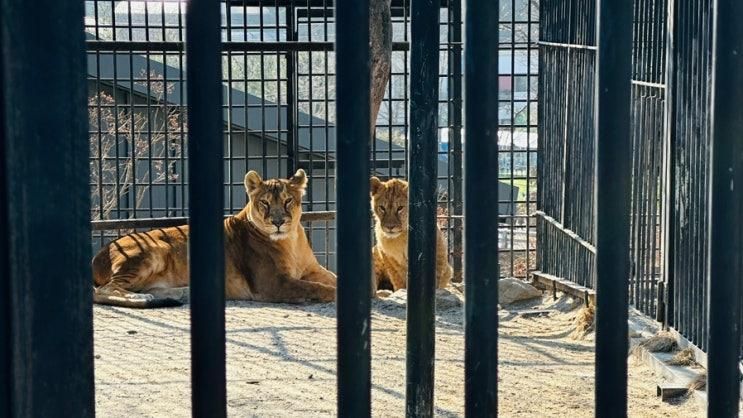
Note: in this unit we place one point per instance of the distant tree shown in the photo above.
(137, 135)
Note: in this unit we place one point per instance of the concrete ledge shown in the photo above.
(556, 284)
(675, 379)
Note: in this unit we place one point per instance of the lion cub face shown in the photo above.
(275, 205)
(390, 205)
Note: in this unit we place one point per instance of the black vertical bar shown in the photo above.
(326, 162)
(310, 105)
(424, 106)
(228, 132)
(678, 72)
(406, 84)
(292, 138)
(277, 26)
(148, 80)
(264, 144)
(613, 74)
(206, 201)
(167, 147)
(481, 270)
(182, 117)
(724, 244)
(511, 201)
(353, 84)
(131, 194)
(45, 146)
(5, 341)
(455, 134)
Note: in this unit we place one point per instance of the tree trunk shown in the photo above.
(380, 34)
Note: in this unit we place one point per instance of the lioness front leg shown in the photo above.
(320, 274)
(119, 292)
(288, 290)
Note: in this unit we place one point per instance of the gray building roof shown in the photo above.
(258, 116)
(262, 117)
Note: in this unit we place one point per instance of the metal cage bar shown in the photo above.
(669, 189)
(481, 264)
(206, 226)
(724, 242)
(353, 81)
(47, 355)
(424, 66)
(5, 310)
(613, 150)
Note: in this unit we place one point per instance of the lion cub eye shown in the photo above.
(381, 209)
(264, 203)
(400, 208)
(289, 201)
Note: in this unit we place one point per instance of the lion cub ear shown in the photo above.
(252, 181)
(299, 180)
(375, 185)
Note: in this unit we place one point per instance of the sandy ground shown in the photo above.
(281, 363)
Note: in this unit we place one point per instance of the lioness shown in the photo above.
(390, 254)
(267, 256)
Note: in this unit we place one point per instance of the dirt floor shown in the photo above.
(281, 363)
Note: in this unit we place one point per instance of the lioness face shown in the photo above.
(275, 205)
(390, 205)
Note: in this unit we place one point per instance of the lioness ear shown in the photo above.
(375, 184)
(299, 180)
(252, 181)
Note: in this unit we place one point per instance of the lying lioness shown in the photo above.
(267, 256)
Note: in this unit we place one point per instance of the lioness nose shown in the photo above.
(277, 222)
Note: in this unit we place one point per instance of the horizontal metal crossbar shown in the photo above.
(183, 220)
(590, 247)
(231, 46)
(136, 223)
(568, 46)
(648, 84)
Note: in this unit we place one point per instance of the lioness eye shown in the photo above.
(289, 201)
(400, 208)
(264, 203)
(381, 209)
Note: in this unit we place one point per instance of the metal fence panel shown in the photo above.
(688, 213)
(279, 103)
(566, 169)
(279, 114)
(648, 140)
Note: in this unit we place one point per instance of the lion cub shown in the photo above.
(390, 254)
(267, 255)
